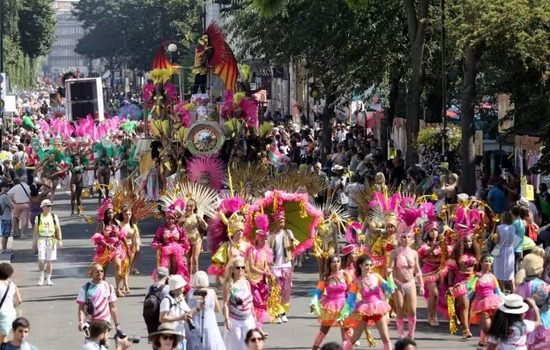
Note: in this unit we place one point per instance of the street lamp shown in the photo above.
(172, 49)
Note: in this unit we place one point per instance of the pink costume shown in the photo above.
(373, 304)
(112, 234)
(260, 258)
(432, 272)
(172, 243)
(486, 294)
(461, 277)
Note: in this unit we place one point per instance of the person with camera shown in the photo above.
(206, 335)
(99, 337)
(96, 300)
(174, 308)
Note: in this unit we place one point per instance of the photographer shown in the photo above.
(174, 309)
(99, 337)
(206, 335)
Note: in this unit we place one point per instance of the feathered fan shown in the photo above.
(206, 199)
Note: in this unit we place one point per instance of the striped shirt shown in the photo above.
(102, 295)
(240, 301)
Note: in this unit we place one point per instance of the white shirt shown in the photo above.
(18, 195)
(175, 307)
(280, 253)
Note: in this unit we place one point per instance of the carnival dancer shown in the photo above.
(282, 242)
(111, 245)
(103, 168)
(77, 168)
(50, 171)
(326, 241)
(329, 298)
(431, 254)
(403, 266)
(531, 285)
(172, 245)
(236, 245)
(373, 307)
(191, 222)
(259, 259)
(133, 239)
(487, 297)
(464, 258)
(349, 258)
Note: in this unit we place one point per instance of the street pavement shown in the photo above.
(52, 310)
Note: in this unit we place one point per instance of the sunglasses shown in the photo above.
(239, 267)
(255, 340)
(167, 337)
(99, 271)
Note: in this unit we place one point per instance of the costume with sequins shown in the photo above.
(112, 234)
(172, 242)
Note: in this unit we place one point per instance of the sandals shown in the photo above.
(135, 272)
(433, 322)
(466, 334)
(119, 293)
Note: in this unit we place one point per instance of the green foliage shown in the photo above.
(132, 30)
(430, 139)
(37, 27)
(29, 33)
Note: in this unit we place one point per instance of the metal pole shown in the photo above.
(443, 82)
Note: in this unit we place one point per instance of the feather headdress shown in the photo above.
(201, 169)
(205, 198)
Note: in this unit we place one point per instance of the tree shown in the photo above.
(28, 33)
(131, 31)
(37, 27)
(506, 31)
(344, 48)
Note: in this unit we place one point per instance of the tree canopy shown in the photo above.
(131, 31)
(29, 33)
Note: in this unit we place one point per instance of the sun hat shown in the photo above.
(45, 203)
(337, 167)
(523, 202)
(513, 304)
(176, 282)
(166, 328)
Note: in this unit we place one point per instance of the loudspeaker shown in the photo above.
(84, 97)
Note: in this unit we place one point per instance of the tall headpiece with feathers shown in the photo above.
(202, 169)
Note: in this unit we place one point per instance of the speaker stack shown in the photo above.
(84, 97)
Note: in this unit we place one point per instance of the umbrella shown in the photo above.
(301, 217)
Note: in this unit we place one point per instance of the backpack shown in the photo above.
(54, 218)
(151, 308)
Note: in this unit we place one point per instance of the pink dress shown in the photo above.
(432, 271)
(261, 258)
(112, 234)
(333, 300)
(172, 242)
(488, 296)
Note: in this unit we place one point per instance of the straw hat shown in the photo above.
(166, 328)
(513, 304)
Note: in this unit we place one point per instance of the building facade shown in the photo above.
(68, 30)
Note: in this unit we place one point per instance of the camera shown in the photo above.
(86, 329)
(191, 325)
(200, 293)
(121, 335)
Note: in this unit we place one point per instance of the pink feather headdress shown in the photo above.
(106, 205)
(213, 167)
(353, 231)
(262, 226)
(217, 230)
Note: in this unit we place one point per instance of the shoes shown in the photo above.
(278, 320)
(49, 282)
(41, 280)
(284, 319)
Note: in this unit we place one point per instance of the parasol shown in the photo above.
(301, 217)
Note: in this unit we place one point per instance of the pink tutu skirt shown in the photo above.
(372, 308)
(260, 294)
(330, 310)
(488, 304)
